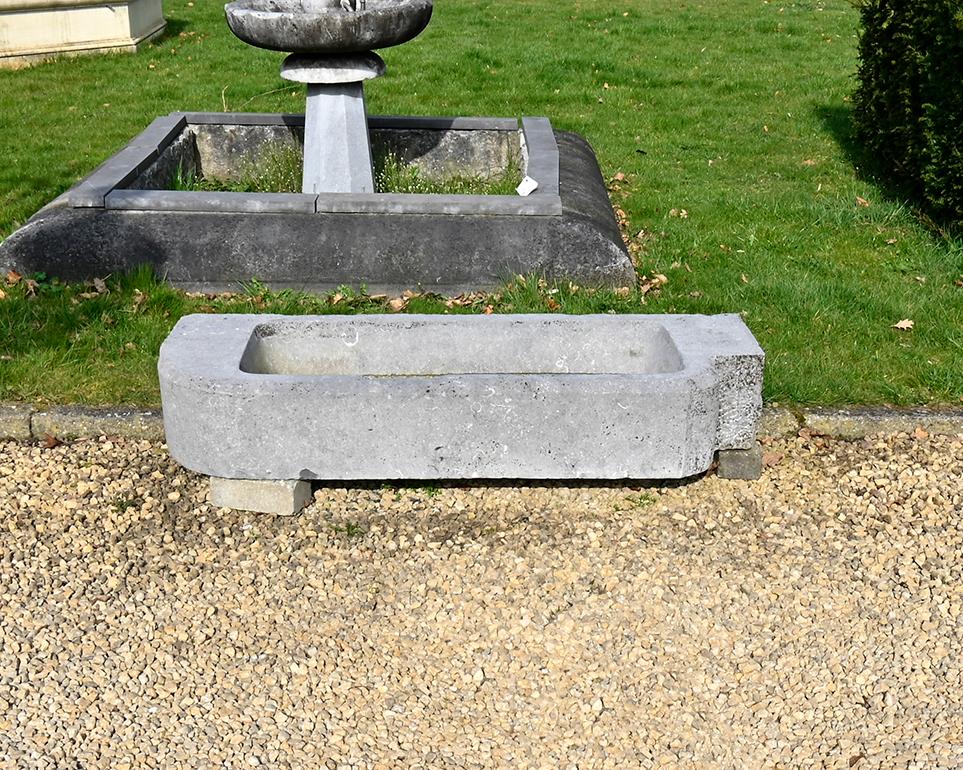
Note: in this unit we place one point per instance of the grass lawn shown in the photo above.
(723, 125)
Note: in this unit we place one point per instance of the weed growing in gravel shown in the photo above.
(349, 529)
(123, 502)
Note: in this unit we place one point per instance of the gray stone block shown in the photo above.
(542, 165)
(432, 123)
(208, 201)
(451, 205)
(244, 118)
(281, 497)
(741, 464)
(857, 422)
(160, 133)
(68, 422)
(117, 171)
(778, 422)
(425, 397)
(15, 422)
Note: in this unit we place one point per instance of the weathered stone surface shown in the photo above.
(66, 422)
(454, 243)
(744, 464)
(35, 30)
(337, 152)
(857, 422)
(349, 68)
(778, 422)
(282, 498)
(15, 421)
(324, 27)
(422, 397)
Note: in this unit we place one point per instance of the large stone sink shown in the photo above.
(323, 27)
(291, 398)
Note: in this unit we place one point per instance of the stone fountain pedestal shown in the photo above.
(337, 151)
(331, 44)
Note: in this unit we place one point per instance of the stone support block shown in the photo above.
(280, 497)
(745, 464)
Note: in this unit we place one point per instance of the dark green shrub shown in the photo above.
(909, 102)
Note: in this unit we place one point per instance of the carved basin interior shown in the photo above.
(439, 346)
(324, 27)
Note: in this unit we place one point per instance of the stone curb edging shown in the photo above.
(22, 422)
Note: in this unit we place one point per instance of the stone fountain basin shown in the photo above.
(429, 397)
(322, 27)
(124, 214)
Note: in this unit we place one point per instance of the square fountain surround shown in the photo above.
(121, 215)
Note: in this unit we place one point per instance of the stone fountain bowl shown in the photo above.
(323, 27)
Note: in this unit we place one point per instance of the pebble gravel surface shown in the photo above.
(811, 619)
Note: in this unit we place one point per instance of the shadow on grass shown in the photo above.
(173, 30)
(838, 122)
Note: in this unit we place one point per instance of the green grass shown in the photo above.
(735, 112)
(278, 170)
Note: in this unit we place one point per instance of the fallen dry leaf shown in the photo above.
(919, 434)
(3, 294)
(551, 304)
(647, 284)
(139, 299)
(619, 177)
(13, 278)
(769, 459)
(31, 286)
(862, 202)
(397, 304)
(623, 291)
(890, 241)
(809, 163)
(489, 310)
(334, 299)
(680, 213)
(100, 286)
(904, 326)
(51, 441)
(744, 278)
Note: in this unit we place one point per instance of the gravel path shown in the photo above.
(811, 619)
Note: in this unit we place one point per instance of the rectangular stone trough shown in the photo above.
(458, 397)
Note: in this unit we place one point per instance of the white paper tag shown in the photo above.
(527, 187)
